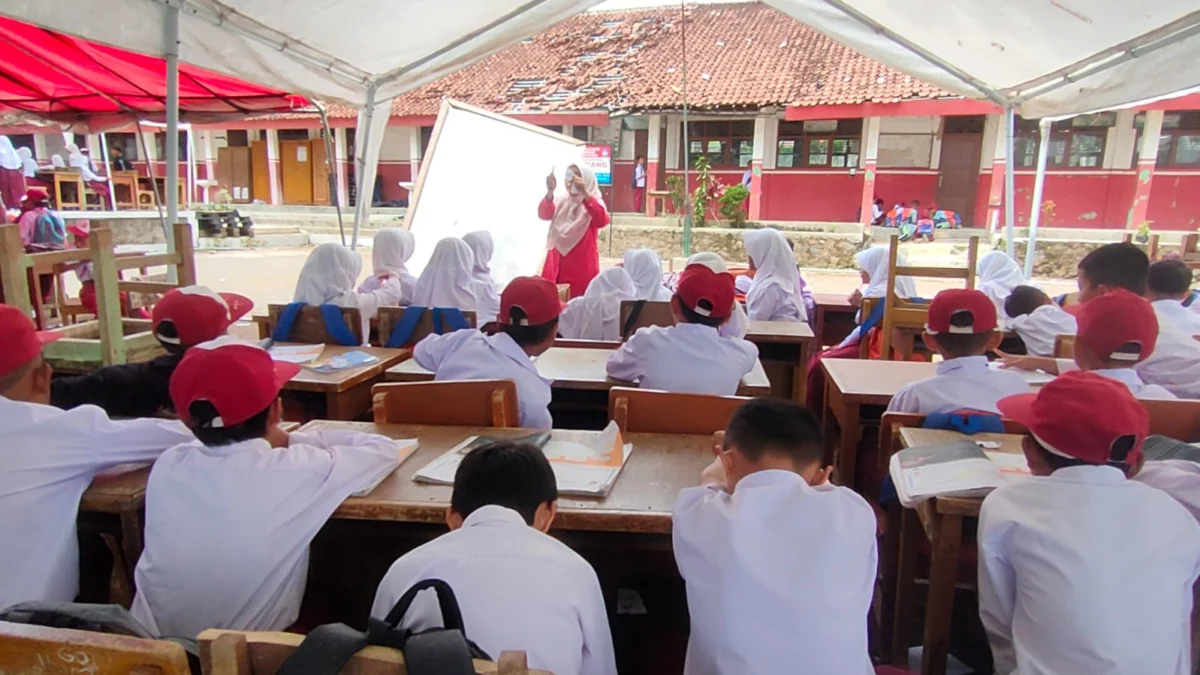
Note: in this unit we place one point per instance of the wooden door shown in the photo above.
(233, 172)
(958, 173)
(295, 172)
(320, 172)
(641, 139)
(260, 172)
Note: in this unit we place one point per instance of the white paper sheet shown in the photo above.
(296, 353)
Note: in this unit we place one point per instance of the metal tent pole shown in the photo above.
(331, 162)
(171, 53)
(112, 194)
(687, 154)
(1035, 207)
(1010, 122)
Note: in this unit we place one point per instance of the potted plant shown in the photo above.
(732, 200)
(1142, 235)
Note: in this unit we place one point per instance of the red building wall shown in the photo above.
(811, 195)
(902, 186)
(392, 172)
(620, 194)
(1174, 201)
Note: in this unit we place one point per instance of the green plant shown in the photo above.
(677, 193)
(706, 193)
(732, 199)
(1143, 232)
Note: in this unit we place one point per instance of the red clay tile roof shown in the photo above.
(740, 55)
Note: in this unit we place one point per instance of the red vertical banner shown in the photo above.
(865, 211)
(756, 190)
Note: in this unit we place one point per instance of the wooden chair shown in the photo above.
(58, 651)
(69, 309)
(1151, 246)
(390, 316)
(68, 189)
(1064, 346)
(652, 314)
(453, 403)
(1188, 250)
(226, 652)
(908, 317)
(310, 325)
(585, 344)
(125, 188)
(1178, 419)
(664, 412)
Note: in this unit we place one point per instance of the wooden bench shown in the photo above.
(471, 403)
(58, 651)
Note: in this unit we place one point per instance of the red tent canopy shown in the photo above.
(65, 79)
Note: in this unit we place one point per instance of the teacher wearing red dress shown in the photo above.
(572, 256)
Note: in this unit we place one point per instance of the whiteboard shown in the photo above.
(483, 171)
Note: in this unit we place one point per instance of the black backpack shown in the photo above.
(437, 651)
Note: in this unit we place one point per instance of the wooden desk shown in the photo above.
(833, 319)
(348, 392)
(853, 383)
(941, 521)
(572, 368)
(786, 333)
(121, 492)
(640, 502)
(60, 178)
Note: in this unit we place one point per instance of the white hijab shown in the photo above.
(571, 219)
(9, 159)
(390, 250)
(328, 277)
(57, 162)
(736, 325)
(998, 276)
(28, 164)
(76, 159)
(645, 268)
(447, 280)
(482, 248)
(874, 261)
(774, 266)
(596, 315)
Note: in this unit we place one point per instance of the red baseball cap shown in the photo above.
(239, 379)
(20, 340)
(705, 292)
(955, 301)
(1083, 416)
(1118, 325)
(36, 194)
(537, 297)
(198, 314)
(81, 228)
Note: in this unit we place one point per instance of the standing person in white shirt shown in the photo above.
(1116, 332)
(1080, 569)
(329, 276)
(518, 588)
(691, 356)
(449, 281)
(1037, 319)
(645, 268)
(47, 460)
(639, 185)
(529, 309)
(736, 326)
(997, 275)
(779, 564)
(962, 328)
(775, 293)
(596, 315)
(230, 515)
(1168, 285)
(1174, 364)
(390, 250)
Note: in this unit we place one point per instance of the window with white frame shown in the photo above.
(1178, 142)
(1075, 143)
(818, 144)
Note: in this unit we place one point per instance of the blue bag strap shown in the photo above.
(965, 422)
(1191, 298)
(335, 323)
(404, 328)
(287, 318)
(453, 318)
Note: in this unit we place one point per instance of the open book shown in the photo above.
(582, 468)
(405, 447)
(961, 469)
(1159, 447)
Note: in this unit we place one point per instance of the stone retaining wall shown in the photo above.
(813, 249)
(1055, 259)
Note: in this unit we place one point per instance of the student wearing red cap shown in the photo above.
(183, 318)
(962, 328)
(529, 309)
(1080, 569)
(49, 457)
(230, 513)
(691, 356)
(1116, 332)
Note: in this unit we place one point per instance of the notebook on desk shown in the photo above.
(404, 448)
(959, 469)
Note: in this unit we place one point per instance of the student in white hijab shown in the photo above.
(873, 266)
(57, 162)
(997, 275)
(328, 278)
(774, 294)
(597, 315)
(29, 165)
(482, 247)
(447, 282)
(12, 180)
(76, 159)
(390, 251)
(736, 325)
(645, 268)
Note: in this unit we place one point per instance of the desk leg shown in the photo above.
(800, 375)
(349, 405)
(905, 580)
(939, 608)
(131, 542)
(819, 326)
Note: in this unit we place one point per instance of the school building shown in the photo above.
(823, 129)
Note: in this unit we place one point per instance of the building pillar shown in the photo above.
(762, 130)
(342, 165)
(1119, 151)
(673, 143)
(653, 138)
(207, 154)
(1145, 169)
(41, 150)
(273, 172)
(867, 162)
(414, 153)
(996, 188)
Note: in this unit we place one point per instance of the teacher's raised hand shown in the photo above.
(551, 183)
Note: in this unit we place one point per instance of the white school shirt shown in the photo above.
(518, 589)
(687, 358)
(407, 283)
(228, 527)
(773, 303)
(1178, 478)
(639, 175)
(47, 460)
(470, 355)
(1084, 571)
(779, 576)
(736, 325)
(1174, 364)
(1174, 313)
(1039, 328)
(964, 383)
(1129, 377)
